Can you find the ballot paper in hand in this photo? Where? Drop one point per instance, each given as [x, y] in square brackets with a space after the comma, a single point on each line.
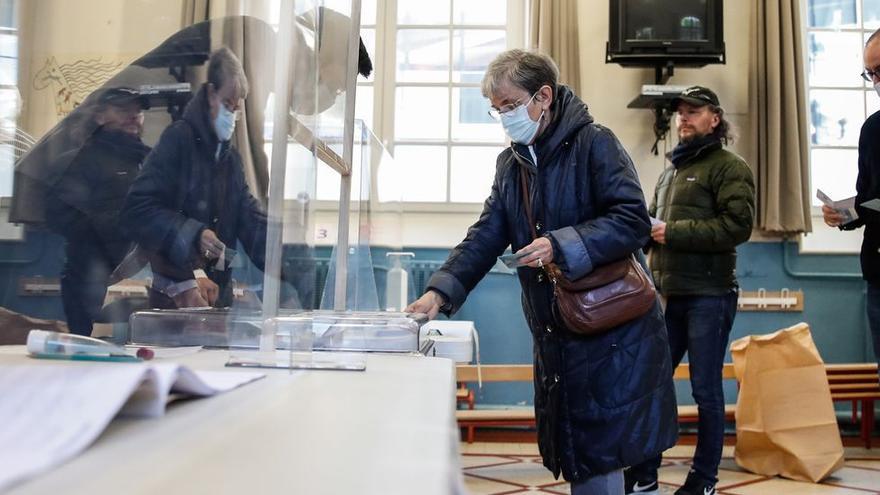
[845, 207]
[872, 204]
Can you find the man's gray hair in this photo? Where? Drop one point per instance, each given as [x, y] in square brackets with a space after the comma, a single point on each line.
[524, 69]
[224, 67]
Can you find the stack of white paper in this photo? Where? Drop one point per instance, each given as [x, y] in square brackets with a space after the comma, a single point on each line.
[52, 411]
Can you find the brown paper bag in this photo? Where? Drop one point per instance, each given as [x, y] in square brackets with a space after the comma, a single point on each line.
[785, 421]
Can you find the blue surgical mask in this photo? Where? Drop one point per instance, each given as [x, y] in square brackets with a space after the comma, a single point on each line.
[224, 123]
[520, 128]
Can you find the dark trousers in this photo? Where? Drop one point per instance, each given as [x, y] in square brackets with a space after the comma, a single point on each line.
[700, 326]
[84, 286]
[873, 304]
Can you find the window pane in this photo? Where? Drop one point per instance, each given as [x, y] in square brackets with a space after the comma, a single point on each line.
[832, 13]
[363, 105]
[368, 13]
[421, 113]
[836, 117]
[834, 172]
[871, 13]
[482, 12]
[872, 100]
[8, 59]
[470, 117]
[7, 13]
[472, 172]
[423, 55]
[15, 142]
[421, 12]
[835, 59]
[421, 173]
[472, 50]
[369, 37]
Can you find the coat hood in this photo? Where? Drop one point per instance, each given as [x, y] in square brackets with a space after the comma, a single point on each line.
[198, 115]
[570, 114]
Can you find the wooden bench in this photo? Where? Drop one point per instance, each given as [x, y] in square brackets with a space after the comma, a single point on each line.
[472, 418]
[856, 383]
[859, 385]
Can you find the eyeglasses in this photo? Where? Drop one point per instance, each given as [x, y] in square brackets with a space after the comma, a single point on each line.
[496, 113]
[869, 75]
[234, 106]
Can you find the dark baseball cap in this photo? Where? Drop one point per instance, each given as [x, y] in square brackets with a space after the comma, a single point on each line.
[698, 96]
[123, 95]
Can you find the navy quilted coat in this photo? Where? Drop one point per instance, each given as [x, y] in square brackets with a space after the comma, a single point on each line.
[601, 402]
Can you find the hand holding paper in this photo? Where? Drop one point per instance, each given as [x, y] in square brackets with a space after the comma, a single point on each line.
[846, 208]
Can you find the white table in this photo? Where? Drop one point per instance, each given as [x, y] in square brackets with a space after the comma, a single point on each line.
[390, 429]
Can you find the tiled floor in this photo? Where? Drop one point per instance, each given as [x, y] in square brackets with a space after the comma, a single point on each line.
[515, 468]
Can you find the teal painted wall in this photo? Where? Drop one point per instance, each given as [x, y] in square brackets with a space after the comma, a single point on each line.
[834, 307]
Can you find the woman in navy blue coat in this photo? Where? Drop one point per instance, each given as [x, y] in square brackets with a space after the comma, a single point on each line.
[191, 202]
[603, 402]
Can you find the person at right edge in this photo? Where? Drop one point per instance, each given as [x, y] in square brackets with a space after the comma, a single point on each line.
[703, 207]
[867, 188]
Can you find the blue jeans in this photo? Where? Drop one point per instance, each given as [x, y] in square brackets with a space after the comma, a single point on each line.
[700, 326]
[600, 484]
[872, 301]
[84, 286]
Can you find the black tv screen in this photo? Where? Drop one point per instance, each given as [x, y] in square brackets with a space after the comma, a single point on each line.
[667, 20]
[653, 32]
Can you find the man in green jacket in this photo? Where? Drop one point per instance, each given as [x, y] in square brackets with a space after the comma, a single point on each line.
[704, 206]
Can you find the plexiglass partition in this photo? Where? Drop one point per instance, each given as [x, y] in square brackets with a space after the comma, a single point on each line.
[169, 150]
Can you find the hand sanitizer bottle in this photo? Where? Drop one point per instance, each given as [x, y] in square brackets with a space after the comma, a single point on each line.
[397, 282]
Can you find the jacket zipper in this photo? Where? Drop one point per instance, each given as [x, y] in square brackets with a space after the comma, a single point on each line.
[668, 195]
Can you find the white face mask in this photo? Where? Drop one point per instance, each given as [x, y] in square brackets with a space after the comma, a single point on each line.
[224, 123]
[520, 128]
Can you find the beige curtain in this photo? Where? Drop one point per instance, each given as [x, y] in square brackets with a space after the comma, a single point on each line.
[553, 31]
[779, 117]
[194, 11]
[252, 51]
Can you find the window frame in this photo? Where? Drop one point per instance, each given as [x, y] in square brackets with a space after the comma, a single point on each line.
[385, 86]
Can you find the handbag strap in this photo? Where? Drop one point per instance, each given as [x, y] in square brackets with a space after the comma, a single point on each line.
[551, 269]
[527, 200]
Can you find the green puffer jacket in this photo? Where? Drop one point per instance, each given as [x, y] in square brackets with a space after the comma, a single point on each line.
[708, 204]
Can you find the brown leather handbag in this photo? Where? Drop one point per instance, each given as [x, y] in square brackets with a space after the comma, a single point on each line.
[608, 296]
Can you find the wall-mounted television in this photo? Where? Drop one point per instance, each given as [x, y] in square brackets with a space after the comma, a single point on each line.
[650, 33]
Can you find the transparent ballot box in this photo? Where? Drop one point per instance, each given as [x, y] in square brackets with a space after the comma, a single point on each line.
[292, 330]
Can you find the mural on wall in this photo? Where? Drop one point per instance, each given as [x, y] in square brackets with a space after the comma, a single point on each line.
[71, 83]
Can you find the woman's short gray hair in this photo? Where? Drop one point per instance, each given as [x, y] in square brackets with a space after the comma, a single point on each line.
[223, 67]
[524, 69]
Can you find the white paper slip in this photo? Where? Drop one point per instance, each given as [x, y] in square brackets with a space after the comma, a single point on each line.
[845, 207]
[872, 204]
[52, 411]
[655, 221]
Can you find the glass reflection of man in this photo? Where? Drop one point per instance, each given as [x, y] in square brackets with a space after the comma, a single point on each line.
[191, 201]
[84, 204]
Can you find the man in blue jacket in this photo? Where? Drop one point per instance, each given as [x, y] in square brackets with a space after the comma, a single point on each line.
[191, 205]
